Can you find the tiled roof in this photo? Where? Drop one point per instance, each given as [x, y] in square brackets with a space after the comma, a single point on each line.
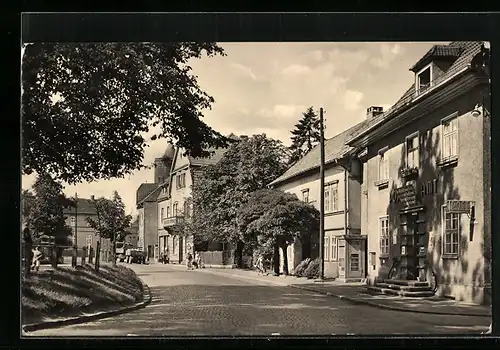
[214, 159]
[469, 50]
[335, 148]
[442, 51]
[152, 196]
[84, 206]
[144, 190]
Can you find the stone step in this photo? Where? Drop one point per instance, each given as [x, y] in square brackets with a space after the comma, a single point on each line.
[402, 293]
[386, 285]
[407, 283]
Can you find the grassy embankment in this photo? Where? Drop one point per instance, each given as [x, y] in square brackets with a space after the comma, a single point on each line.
[66, 292]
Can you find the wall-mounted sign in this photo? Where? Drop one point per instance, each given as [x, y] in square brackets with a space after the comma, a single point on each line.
[405, 195]
[395, 237]
[403, 250]
[422, 250]
[458, 207]
[431, 240]
[429, 188]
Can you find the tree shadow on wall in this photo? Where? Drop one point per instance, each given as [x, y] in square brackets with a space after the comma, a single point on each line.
[449, 270]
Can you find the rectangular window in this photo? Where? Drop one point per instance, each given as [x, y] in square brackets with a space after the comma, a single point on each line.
[327, 249]
[449, 138]
[334, 249]
[331, 197]
[305, 195]
[180, 181]
[174, 210]
[451, 234]
[354, 262]
[161, 215]
[174, 244]
[424, 80]
[383, 166]
[384, 235]
[168, 211]
[412, 155]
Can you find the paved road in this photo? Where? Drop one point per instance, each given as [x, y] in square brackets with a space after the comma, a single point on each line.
[201, 303]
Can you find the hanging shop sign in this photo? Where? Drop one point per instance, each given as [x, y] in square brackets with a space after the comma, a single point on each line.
[458, 207]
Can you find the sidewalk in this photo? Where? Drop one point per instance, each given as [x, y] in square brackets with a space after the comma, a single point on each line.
[355, 292]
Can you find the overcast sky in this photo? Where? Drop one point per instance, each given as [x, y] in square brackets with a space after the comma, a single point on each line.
[265, 87]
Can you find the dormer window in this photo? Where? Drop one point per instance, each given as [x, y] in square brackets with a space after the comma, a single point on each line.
[423, 79]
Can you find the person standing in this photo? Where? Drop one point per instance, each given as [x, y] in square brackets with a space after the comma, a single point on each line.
[37, 256]
[189, 261]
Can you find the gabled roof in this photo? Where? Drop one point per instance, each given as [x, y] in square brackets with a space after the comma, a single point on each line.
[213, 159]
[84, 206]
[438, 51]
[469, 50]
[335, 148]
[144, 190]
[152, 196]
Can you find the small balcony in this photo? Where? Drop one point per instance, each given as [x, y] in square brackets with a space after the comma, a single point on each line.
[172, 221]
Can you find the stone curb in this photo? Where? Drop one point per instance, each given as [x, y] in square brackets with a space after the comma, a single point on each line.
[147, 297]
[387, 307]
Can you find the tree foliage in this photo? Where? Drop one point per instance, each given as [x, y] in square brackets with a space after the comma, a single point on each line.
[111, 220]
[248, 165]
[305, 136]
[44, 208]
[86, 106]
[273, 218]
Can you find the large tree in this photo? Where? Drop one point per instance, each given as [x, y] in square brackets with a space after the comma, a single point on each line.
[45, 214]
[275, 219]
[111, 221]
[87, 106]
[305, 136]
[248, 165]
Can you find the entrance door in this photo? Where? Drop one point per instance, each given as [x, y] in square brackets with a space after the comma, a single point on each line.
[181, 249]
[409, 244]
[355, 269]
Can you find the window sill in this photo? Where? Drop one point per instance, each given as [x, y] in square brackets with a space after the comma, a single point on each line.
[336, 212]
[382, 184]
[448, 162]
[450, 256]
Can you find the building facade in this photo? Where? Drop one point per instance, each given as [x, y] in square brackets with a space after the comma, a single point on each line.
[174, 206]
[76, 219]
[344, 246]
[426, 202]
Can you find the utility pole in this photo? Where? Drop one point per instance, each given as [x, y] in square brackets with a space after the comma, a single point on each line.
[321, 196]
[98, 245]
[74, 261]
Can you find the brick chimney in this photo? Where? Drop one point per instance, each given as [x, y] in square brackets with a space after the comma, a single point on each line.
[373, 111]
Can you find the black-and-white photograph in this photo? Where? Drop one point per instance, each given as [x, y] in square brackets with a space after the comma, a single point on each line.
[255, 189]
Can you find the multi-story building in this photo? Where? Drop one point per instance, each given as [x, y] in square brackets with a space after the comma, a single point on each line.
[426, 192]
[173, 206]
[76, 219]
[344, 246]
[146, 197]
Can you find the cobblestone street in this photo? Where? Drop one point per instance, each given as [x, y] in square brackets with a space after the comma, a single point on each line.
[198, 303]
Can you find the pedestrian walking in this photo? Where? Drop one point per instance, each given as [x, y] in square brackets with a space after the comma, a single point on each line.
[261, 265]
[189, 261]
[37, 256]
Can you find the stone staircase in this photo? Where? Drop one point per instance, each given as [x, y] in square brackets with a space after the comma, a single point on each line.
[404, 288]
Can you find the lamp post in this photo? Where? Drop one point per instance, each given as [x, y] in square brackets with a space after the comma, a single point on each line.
[98, 244]
[74, 260]
[321, 197]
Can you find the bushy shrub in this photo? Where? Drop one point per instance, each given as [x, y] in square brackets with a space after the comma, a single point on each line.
[312, 270]
[301, 267]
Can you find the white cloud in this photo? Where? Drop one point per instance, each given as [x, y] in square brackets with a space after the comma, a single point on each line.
[244, 70]
[315, 55]
[283, 111]
[388, 53]
[296, 69]
[352, 99]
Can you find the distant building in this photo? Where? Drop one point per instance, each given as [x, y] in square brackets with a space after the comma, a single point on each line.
[146, 197]
[426, 193]
[344, 246]
[76, 219]
[173, 204]
[132, 236]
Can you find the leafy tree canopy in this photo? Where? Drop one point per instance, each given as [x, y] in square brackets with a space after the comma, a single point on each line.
[86, 106]
[247, 166]
[43, 210]
[305, 136]
[111, 220]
